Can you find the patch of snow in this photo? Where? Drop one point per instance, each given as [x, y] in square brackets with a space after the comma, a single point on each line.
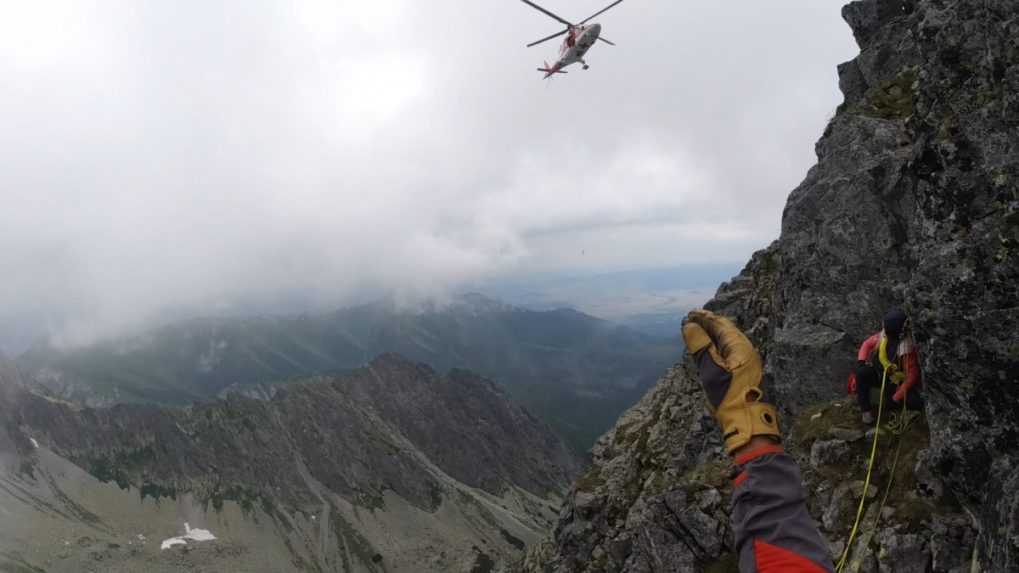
[35, 444]
[201, 535]
[168, 543]
[190, 534]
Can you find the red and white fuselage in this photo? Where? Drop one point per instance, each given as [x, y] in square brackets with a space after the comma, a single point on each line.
[579, 40]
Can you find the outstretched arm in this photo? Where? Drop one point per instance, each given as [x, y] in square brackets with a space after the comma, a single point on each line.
[774, 532]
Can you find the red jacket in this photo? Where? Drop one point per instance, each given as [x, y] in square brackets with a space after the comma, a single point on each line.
[908, 361]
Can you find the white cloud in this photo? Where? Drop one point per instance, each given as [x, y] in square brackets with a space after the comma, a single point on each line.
[200, 155]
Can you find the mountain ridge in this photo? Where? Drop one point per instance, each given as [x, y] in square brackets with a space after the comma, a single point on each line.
[305, 468]
[551, 361]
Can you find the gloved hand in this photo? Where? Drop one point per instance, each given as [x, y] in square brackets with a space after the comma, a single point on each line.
[894, 374]
[730, 372]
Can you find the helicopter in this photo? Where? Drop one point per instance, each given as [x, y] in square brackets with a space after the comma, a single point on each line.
[579, 39]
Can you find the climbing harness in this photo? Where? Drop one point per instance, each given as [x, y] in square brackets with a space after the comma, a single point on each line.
[897, 426]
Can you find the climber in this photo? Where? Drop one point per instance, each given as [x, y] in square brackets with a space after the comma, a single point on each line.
[892, 348]
[773, 530]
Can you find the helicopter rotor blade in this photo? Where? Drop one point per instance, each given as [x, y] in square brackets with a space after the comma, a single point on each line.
[596, 14]
[549, 14]
[547, 38]
[606, 41]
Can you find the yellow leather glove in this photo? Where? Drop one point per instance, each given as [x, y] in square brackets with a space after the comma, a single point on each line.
[730, 371]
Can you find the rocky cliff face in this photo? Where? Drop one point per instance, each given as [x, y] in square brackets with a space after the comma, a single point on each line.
[389, 468]
[914, 202]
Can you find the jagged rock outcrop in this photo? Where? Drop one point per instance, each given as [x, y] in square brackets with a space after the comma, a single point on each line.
[392, 467]
[914, 202]
[651, 498]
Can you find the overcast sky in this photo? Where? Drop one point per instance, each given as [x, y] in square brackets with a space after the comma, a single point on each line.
[187, 155]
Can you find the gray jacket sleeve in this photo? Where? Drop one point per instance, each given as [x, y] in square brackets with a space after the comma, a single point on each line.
[774, 532]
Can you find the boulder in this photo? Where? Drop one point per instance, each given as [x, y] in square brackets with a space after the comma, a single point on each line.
[826, 452]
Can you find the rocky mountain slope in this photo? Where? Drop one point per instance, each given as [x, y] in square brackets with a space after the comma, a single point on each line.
[391, 467]
[914, 202]
[575, 371]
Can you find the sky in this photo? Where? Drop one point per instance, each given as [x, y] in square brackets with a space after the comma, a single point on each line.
[159, 158]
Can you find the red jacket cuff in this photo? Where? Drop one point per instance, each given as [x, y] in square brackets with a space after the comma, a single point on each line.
[755, 453]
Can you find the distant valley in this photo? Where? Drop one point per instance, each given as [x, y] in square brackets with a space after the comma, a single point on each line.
[575, 371]
[652, 301]
[391, 467]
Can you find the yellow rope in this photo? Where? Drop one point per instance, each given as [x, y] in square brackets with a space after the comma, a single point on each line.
[899, 430]
[870, 467]
[895, 462]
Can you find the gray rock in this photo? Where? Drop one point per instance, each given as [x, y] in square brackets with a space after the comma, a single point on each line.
[824, 453]
[903, 553]
[586, 504]
[846, 434]
[843, 505]
[706, 531]
[835, 548]
[838, 506]
[867, 564]
[928, 485]
[709, 499]
[851, 80]
[861, 558]
[951, 544]
[914, 203]
[856, 488]
[620, 548]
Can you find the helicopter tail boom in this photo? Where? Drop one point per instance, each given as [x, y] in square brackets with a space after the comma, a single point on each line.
[551, 70]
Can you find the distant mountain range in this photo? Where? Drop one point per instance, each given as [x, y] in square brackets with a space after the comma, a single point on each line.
[388, 468]
[575, 371]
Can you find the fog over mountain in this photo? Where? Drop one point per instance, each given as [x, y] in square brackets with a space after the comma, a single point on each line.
[162, 158]
[574, 371]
